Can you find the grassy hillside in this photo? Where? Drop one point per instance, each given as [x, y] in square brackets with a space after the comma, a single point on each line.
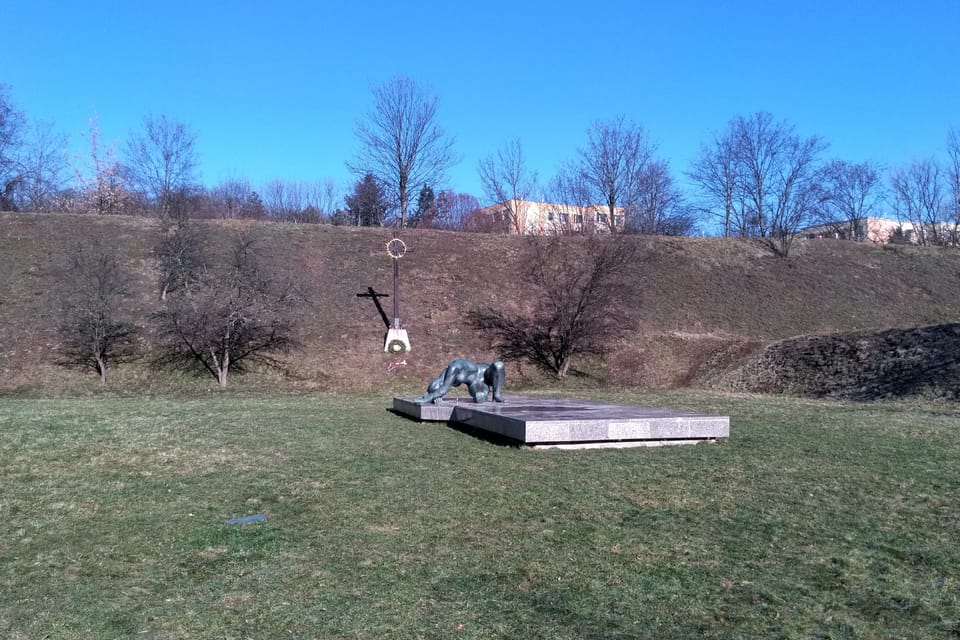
[702, 301]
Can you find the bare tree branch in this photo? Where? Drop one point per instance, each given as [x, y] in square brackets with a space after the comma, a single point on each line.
[953, 177]
[716, 171]
[454, 209]
[611, 166]
[44, 166]
[659, 207]
[508, 181]
[12, 126]
[578, 297]
[180, 256]
[919, 198]
[94, 332]
[235, 314]
[401, 143]
[102, 181]
[162, 162]
[763, 178]
[852, 193]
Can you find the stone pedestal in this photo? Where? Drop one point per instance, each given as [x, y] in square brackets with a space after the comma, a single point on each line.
[569, 423]
[397, 342]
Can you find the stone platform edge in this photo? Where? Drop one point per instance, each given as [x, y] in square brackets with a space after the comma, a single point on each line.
[566, 423]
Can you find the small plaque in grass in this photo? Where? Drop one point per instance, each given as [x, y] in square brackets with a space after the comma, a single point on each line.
[257, 517]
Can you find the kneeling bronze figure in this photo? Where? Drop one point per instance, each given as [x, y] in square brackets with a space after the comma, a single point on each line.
[479, 378]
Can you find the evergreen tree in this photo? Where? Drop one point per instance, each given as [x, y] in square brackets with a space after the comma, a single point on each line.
[367, 205]
[426, 212]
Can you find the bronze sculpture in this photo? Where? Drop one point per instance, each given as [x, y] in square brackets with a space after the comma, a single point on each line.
[479, 378]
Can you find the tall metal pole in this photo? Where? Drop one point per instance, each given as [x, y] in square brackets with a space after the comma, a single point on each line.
[397, 341]
[396, 294]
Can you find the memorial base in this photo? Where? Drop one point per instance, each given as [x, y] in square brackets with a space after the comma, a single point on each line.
[569, 423]
[397, 342]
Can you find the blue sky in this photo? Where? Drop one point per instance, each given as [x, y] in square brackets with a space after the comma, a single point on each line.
[274, 90]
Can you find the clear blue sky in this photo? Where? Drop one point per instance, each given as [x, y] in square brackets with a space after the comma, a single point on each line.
[274, 89]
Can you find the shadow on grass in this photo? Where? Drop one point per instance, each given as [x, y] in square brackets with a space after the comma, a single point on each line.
[478, 434]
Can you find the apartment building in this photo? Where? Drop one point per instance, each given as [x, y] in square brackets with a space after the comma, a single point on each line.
[532, 217]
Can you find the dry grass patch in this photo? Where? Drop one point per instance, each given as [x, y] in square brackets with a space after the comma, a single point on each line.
[150, 459]
[816, 519]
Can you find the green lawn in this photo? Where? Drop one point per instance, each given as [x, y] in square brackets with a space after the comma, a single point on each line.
[815, 520]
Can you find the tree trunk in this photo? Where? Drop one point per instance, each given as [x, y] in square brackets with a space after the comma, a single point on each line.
[223, 369]
[403, 204]
[102, 370]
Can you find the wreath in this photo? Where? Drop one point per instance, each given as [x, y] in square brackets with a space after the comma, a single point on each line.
[397, 347]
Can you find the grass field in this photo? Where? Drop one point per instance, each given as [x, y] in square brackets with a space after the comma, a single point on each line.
[815, 520]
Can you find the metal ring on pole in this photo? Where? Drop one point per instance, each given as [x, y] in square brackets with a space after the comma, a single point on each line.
[396, 248]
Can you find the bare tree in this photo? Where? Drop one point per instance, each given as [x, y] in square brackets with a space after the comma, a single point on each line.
[102, 184]
[659, 208]
[401, 143]
[299, 201]
[324, 195]
[94, 332]
[236, 314]
[780, 177]
[162, 163]
[340, 217]
[571, 203]
[285, 200]
[763, 178]
[852, 192]
[611, 167]
[180, 256]
[44, 166]
[919, 198]
[12, 126]
[716, 172]
[454, 209]
[578, 306]
[953, 178]
[508, 181]
[230, 196]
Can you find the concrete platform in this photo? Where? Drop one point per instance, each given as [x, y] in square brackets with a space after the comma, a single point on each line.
[569, 423]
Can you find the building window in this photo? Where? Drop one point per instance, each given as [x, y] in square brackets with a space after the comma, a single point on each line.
[618, 221]
[550, 216]
[564, 218]
[601, 218]
[578, 218]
